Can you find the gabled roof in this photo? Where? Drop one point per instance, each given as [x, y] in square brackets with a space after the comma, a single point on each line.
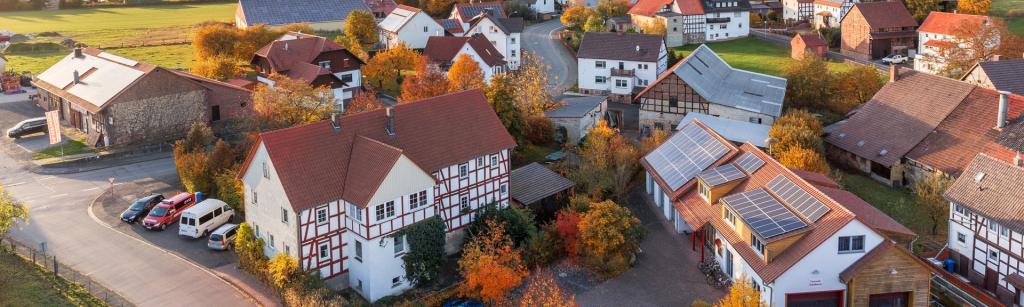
[719, 83]
[469, 10]
[534, 182]
[103, 77]
[875, 254]
[692, 149]
[1005, 75]
[445, 49]
[810, 40]
[733, 130]
[576, 107]
[382, 7]
[400, 16]
[946, 23]
[889, 14]
[453, 26]
[506, 25]
[1012, 136]
[294, 53]
[276, 12]
[991, 188]
[899, 116]
[648, 7]
[317, 163]
[621, 46]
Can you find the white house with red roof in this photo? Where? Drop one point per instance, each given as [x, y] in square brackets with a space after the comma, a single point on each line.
[444, 50]
[332, 193]
[798, 237]
[490, 20]
[938, 32]
[311, 59]
[408, 25]
[694, 21]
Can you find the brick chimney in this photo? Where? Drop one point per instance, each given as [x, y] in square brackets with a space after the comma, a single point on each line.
[1003, 105]
[1018, 160]
[995, 58]
[78, 52]
[389, 121]
[894, 73]
[77, 77]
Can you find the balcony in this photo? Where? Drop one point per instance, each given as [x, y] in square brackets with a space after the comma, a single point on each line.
[718, 20]
[623, 72]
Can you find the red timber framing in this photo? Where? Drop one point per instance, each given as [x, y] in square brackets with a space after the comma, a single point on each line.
[986, 239]
[329, 232]
[481, 186]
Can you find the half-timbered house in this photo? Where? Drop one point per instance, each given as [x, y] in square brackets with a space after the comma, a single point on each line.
[332, 193]
[311, 59]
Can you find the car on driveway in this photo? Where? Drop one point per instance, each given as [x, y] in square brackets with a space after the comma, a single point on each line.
[223, 238]
[140, 208]
[199, 220]
[26, 127]
[168, 211]
[895, 59]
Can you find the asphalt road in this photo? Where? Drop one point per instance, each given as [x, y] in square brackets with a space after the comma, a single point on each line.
[542, 40]
[144, 274]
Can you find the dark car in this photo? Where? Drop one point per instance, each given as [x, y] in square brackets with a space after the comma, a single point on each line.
[26, 127]
[140, 208]
[463, 302]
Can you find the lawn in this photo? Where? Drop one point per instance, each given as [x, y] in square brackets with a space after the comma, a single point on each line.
[71, 147]
[24, 284]
[753, 54]
[1002, 7]
[899, 204]
[174, 56]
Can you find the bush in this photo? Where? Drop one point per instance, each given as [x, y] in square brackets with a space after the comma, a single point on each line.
[541, 130]
[609, 236]
[426, 255]
[518, 223]
[543, 248]
[283, 270]
[568, 230]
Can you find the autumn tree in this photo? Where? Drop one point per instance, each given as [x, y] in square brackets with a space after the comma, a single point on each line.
[12, 212]
[222, 51]
[385, 69]
[191, 160]
[361, 26]
[921, 8]
[652, 141]
[465, 74]
[439, 8]
[803, 158]
[656, 28]
[974, 7]
[501, 94]
[218, 68]
[854, 87]
[625, 161]
[609, 236]
[976, 43]
[593, 174]
[594, 24]
[542, 290]
[796, 128]
[428, 82]
[230, 189]
[532, 85]
[352, 45]
[490, 266]
[362, 102]
[215, 40]
[808, 83]
[755, 20]
[567, 226]
[741, 294]
[289, 103]
[575, 17]
[283, 270]
[611, 8]
[222, 157]
[928, 191]
[1011, 45]
[541, 131]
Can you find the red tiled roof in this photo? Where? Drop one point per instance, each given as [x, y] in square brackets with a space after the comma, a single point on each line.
[648, 7]
[890, 14]
[946, 23]
[317, 164]
[993, 189]
[816, 179]
[968, 130]
[690, 7]
[811, 40]
[382, 7]
[286, 55]
[444, 49]
[828, 3]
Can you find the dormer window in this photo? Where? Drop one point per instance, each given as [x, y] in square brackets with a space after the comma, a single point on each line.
[728, 216]
[325, 64]
[756, 243]
[704, 191]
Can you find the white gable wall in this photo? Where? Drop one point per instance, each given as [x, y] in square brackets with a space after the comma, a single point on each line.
[507, 44]
[265, 213]
[414, 33]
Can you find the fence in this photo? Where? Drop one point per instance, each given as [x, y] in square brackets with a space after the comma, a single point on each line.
[49, 263]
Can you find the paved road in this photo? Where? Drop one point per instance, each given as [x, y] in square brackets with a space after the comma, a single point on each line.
[542, 40]
[143, 274]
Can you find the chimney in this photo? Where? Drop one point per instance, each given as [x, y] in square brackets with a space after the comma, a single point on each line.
[77, 78]
[336, 121]
[344, 63]
[995, 58]
[894, 73]
[638, 49]
[78, 52]
[285, 46]
[390, 121]
[1018, 160]
[1003, 104]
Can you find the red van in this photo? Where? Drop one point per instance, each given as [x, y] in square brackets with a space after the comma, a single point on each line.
[168, 211]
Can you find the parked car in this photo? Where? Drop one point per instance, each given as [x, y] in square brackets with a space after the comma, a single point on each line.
[168, 211]
[223, 238]
[895, 59]
[199, 220]
[26, 127]
[140, 208]
[463, 302]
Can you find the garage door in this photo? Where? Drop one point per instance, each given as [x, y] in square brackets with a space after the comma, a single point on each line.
[900, 299]
[815, 299]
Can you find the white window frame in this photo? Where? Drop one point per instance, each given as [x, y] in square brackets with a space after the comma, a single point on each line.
[756, 243]
[384, 211]
[494, 161]
[266, 170]
[358, 254]
[321, 249]
[324, 64]
[600, 64]
[325, 214]
[961, 237]
[395, 282]
[399, 245]
[624, 83]
[850, 249]
[463, 202]
[255, 196]
[704, 191]
[357, 213]
[464, 171]
[284, 215]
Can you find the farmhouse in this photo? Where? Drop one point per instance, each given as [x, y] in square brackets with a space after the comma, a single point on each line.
[798, 10]
[117, 101]
[311, 59]
[704, 83]
[444, 50]
[490, 21]
[998, 74]
[694, 21]
[575, 116]
[801, 241]
[331, 193]
[619, 64]
[877, 29]
[827, 13]
[322, 15]
[408, 25]
[937, 33]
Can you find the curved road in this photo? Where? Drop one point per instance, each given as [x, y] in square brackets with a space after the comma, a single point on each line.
[542, 40]
[143, 274]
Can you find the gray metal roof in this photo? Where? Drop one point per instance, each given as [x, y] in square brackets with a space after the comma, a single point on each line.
[719, 83]
[621, 46]
[733, 130]
[1006, 75]
[533, 182]
[576, 107]
[278, 12]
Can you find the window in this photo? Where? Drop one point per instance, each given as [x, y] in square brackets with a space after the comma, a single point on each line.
[513, 41]
[621, 83]
[513, 53]
[728, 216]
[600, 79]
[287, 249]
[325, 64]
[704, 191]
[959, 209]
[480, 161]
[851, 244]
[599, 64]
[961, 237]
[325, 251]
[255, 197]
[464, 171]
[218, 211]
[723, 26]
[395, 282]
[359, 251]
[284, 216]
[464, 202]
[504, 189]
[321, 215]
[993, 254]
[271, 237]
[266, 170]
[399, 245]
[357, 213]
[425, 29]
[494, 161]
[385, 210]
[756, 120]
[756, 244]
[673, 101]
[202, 219]
[347, 78]
[1003, 231]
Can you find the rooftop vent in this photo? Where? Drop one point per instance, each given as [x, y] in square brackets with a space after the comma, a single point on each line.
[77, 77]
[336, 121]
[860, 144]
[883, 152]
[78, 52]
[390, 121]
[978, 177]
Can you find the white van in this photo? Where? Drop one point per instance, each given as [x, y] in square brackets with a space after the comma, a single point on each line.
[199, 220]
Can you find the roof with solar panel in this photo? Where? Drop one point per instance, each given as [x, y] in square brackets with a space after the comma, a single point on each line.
[764, 214]
[686, 154]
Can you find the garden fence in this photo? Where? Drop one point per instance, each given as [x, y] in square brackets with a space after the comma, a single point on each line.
[50, 263]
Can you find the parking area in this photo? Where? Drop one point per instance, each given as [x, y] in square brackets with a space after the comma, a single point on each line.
[14, 109]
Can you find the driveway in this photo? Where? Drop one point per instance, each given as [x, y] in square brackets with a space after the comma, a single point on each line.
[542, 40]
[666, 274]
[14, 109]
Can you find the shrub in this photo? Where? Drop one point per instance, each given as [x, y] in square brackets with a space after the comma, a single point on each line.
[541, 130]
[567, 227]
[283, 270]
[426, 255]
[609, 235]
[490, 265]
[517, 223]
[544, 247]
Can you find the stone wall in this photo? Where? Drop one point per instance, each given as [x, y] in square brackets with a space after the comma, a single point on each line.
[154, 119]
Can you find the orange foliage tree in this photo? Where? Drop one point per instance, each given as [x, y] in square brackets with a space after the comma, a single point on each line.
[384, 69]
[491, 266]
[427, 82]
[803, 158]
[364, 101]
[741, 294]
[609, 235]
[465, 74]
[652, 141]
[543, 291]
[567, 224]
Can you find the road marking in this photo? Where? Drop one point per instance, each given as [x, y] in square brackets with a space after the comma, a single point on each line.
[91, 189]
[16, 184]
[59, 195]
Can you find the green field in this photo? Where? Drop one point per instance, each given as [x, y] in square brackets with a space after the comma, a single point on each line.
[118, 26]
[1002, 7]
[23, 284]
[754, 55]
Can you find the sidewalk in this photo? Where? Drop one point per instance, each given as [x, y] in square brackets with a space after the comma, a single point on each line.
[248, 284]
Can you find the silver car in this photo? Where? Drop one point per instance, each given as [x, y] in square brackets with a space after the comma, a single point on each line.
[222, 238]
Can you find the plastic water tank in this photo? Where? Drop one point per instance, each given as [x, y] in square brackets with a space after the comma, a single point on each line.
[950, 265]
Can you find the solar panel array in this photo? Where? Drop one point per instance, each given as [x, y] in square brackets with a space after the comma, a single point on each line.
[795, 197]
[687, 153]
[750, 162]
[722, 174]
[762, 213]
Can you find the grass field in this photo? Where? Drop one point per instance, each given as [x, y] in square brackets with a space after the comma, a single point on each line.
[23, 284]
[1002, 7]
[899, 204]
[114, 27]
[754, 55]
[71, 147]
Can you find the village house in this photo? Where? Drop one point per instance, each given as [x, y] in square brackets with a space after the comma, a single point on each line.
[321, 15]
[619, 24]
[619, 64]
[797, 10]
[542, 7]
[704, 83]
[998, 74]
[938, 32]
[985, 229]
[799, 238]
[803, 44]
[874, 30]
[489, 19]
[444, 50]
[694, 21]
[116, 101]
[408, 25]
[737, 132]
[311, 59]
[574, 117]
[827, 13]
[919, 124]
[332, 193]
[380, 8]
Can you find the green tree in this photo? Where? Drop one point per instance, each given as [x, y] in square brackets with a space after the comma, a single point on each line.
[928, 191]
[809, 83]
[249, 249]
[519, 223]
[222, 157]
[426, 255]
[12, 212]
[198, 138]
[230, 189]
[595, 24]
[362, 26]
[611, 8]
[502, 96]
[609, 236]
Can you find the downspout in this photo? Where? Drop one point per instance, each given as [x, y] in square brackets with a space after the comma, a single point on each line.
[771, 294]
[910, 245]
